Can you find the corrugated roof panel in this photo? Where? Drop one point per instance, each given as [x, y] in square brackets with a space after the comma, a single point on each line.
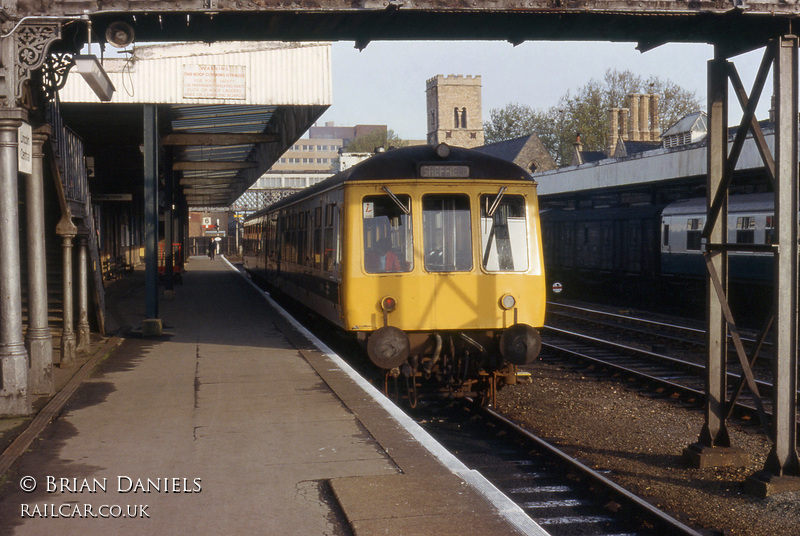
[264, 73]
[221, 118]
[225, 88]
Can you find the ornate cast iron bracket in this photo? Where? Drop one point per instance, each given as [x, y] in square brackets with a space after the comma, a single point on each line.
[55, 71]
[32, 41]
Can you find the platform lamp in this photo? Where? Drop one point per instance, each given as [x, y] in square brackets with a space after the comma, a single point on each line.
[92, 71]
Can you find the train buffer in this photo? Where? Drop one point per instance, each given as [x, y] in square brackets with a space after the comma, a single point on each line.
[232, 423]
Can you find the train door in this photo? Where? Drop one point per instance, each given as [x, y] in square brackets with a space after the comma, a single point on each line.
[446, 233]
[633, 247]
[450, 290]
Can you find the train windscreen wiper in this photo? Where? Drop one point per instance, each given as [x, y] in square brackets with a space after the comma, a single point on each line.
[496, 203]
[397, 202]
[507, 263]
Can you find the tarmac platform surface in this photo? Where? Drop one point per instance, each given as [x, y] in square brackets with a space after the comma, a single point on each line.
[235, 422]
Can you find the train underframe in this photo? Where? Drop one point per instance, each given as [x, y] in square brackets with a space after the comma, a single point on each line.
[455, 364]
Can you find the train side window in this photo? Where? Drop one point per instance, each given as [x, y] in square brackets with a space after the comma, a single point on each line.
[693, 234]
[446, 233]
[302, 245]
[745, 229]
[388, 239]
[272, 237]
[329, 251]
[504, 234]
[317, 240]
[769, 231]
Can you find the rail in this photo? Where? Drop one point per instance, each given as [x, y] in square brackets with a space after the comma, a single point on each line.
[666, 373]
[560, 493]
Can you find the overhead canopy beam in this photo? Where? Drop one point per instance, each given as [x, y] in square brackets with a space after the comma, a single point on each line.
[207, 165]
[217, 139]
[740, 26]
[205, 180]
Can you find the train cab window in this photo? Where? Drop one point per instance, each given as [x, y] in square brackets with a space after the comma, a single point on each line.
[745, 229]
[446, 233]
[693, 234]
[504, 233]
[388, 241]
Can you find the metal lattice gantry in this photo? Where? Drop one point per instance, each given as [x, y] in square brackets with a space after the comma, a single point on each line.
[256, 199]
[781, 471]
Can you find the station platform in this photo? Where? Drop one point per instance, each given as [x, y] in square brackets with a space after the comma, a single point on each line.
[236, 421]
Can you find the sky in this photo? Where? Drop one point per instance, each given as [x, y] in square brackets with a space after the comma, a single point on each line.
[385, 83]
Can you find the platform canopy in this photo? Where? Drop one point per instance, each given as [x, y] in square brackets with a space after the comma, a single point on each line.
[227, 111]
[737, 24]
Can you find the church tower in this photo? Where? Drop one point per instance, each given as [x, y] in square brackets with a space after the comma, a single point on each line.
[454, 110]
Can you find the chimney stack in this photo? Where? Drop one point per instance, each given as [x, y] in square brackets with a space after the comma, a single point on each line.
[613, 130]
[623, 123]
[644, 117]
[655, 126]
[644, 124]
[633, 132]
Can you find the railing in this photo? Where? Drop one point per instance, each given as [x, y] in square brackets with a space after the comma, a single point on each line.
[68, 151]
[76, 201]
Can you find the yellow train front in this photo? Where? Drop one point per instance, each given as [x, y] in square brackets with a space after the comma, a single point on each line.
[432, 256]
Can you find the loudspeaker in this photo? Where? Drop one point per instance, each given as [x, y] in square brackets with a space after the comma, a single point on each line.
[119, 34]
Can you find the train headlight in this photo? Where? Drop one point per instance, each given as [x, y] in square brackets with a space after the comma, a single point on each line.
[388, 304]
[507, 302]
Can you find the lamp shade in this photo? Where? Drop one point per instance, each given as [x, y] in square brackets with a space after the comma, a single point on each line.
[94, 74]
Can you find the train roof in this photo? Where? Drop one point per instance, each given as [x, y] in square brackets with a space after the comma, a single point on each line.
[736, 203]
[601, 213]
[410, 163]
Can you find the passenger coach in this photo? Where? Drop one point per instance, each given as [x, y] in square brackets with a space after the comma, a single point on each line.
[430, 255]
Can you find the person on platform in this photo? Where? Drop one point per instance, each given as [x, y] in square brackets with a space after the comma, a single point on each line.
[212, 249]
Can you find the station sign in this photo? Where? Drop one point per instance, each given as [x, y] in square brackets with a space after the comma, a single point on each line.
[557, 287]
[25, 148]
[112, 197]
[215, 82]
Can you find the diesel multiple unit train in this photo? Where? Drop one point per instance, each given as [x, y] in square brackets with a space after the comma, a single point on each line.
[654, 253]
[430, 256]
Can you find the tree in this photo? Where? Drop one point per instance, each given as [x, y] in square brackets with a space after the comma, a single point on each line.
[584, 112]
[513, 121]
[367, 143]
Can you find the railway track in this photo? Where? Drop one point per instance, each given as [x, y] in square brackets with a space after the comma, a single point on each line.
[560, 493]
[557, 491]
[686, 338]
[642, 359]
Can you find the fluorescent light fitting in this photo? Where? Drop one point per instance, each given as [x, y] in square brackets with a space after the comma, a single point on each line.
[94, 74]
